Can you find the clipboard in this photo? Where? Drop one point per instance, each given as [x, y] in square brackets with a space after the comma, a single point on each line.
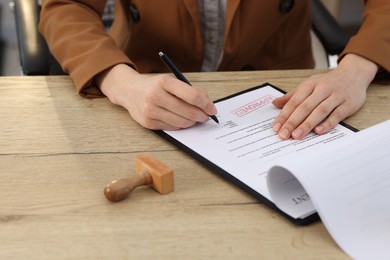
[225, 174]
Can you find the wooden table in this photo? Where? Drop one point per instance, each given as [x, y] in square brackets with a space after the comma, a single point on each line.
[57, 151]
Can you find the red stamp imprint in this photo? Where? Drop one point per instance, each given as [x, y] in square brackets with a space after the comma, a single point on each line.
[254, 105]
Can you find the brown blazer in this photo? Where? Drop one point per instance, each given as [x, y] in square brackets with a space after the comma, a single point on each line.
[257, 36]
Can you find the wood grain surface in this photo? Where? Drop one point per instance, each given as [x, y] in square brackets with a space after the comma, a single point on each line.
[58, 151]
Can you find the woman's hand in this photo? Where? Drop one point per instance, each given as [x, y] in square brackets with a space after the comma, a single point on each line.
[156, 101]
[322, 101]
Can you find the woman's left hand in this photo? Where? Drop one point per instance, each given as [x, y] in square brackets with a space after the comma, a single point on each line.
[319, 103]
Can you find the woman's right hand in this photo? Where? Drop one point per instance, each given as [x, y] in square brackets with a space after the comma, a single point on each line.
[156, 101]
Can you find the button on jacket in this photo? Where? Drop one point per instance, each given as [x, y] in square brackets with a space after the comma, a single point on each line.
[267, 34]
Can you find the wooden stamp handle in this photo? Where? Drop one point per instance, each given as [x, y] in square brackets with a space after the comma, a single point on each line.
[119, 189]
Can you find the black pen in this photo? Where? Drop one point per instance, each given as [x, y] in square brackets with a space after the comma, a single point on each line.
[172, 67]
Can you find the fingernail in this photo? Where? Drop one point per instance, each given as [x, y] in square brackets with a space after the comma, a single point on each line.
[284, 134]
[297, 133]
[276, 127]
[319, 129]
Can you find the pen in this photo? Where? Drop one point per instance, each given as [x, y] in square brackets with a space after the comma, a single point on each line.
[172, 67]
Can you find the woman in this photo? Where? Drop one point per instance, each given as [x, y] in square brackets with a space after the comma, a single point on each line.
[202, 35]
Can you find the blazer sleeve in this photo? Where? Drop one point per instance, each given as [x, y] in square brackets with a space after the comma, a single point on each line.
[373, 38]
[78, 40]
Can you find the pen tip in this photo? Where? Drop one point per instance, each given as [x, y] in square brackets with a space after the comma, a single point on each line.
[215, 119]
[161, 53]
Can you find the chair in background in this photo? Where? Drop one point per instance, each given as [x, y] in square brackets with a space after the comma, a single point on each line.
[327, 31]
[35, 58]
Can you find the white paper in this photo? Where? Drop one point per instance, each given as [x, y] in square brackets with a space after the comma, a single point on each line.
[244, 143]
[349, 185]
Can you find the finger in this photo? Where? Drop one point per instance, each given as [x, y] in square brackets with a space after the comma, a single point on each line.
[296, 98]
[162, 119]
[306, 108]
[195, 96]
[339, 114]
[180, 108]
[319, 114]
[174, 120]
[281, 101]
[303, 116]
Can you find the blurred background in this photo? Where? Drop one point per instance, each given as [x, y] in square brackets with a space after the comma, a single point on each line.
[347, 12]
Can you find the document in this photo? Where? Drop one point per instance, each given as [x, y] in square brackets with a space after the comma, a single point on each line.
[343, 176]
[348, 184]
[243, 146]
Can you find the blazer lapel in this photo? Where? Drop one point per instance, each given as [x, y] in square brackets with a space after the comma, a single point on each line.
[193, 9]
[231, 8]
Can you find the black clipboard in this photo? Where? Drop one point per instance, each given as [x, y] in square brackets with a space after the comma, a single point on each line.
[227, 176]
